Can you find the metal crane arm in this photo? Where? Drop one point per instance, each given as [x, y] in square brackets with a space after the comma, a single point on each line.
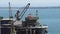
[24, 10]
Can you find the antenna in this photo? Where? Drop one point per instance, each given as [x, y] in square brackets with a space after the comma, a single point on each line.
[36, 13]
[10, 12]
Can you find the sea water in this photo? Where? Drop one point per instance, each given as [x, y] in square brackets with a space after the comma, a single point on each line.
[51, 17]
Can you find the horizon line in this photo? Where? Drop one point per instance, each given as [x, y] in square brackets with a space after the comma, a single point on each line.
[29, 7]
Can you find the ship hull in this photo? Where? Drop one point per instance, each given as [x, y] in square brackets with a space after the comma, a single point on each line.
[5, 30]
[31, 31]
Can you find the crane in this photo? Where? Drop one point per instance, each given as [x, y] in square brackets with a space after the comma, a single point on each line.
[20, 15]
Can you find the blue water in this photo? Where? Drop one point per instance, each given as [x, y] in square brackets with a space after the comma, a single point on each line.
[51, 17]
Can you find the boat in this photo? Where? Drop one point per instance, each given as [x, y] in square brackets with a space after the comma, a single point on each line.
[29, 26]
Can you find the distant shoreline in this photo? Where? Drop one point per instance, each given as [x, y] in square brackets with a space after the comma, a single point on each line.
[30, 7]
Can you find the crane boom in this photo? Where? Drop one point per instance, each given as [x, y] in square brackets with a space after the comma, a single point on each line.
[23, 12]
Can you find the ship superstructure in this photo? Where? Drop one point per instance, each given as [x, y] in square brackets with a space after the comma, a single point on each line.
[29, 26]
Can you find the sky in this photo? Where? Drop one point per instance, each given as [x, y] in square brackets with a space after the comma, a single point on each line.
[34, 3]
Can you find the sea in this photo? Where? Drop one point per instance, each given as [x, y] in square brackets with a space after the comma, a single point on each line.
[48, 16]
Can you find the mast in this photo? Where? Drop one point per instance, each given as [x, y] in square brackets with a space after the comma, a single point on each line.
[10, 12]
[36, 13]
[12, 25]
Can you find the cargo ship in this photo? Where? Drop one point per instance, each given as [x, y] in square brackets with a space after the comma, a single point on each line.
[17, 26]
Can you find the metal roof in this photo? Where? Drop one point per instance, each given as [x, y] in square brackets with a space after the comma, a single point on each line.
[7, 19]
